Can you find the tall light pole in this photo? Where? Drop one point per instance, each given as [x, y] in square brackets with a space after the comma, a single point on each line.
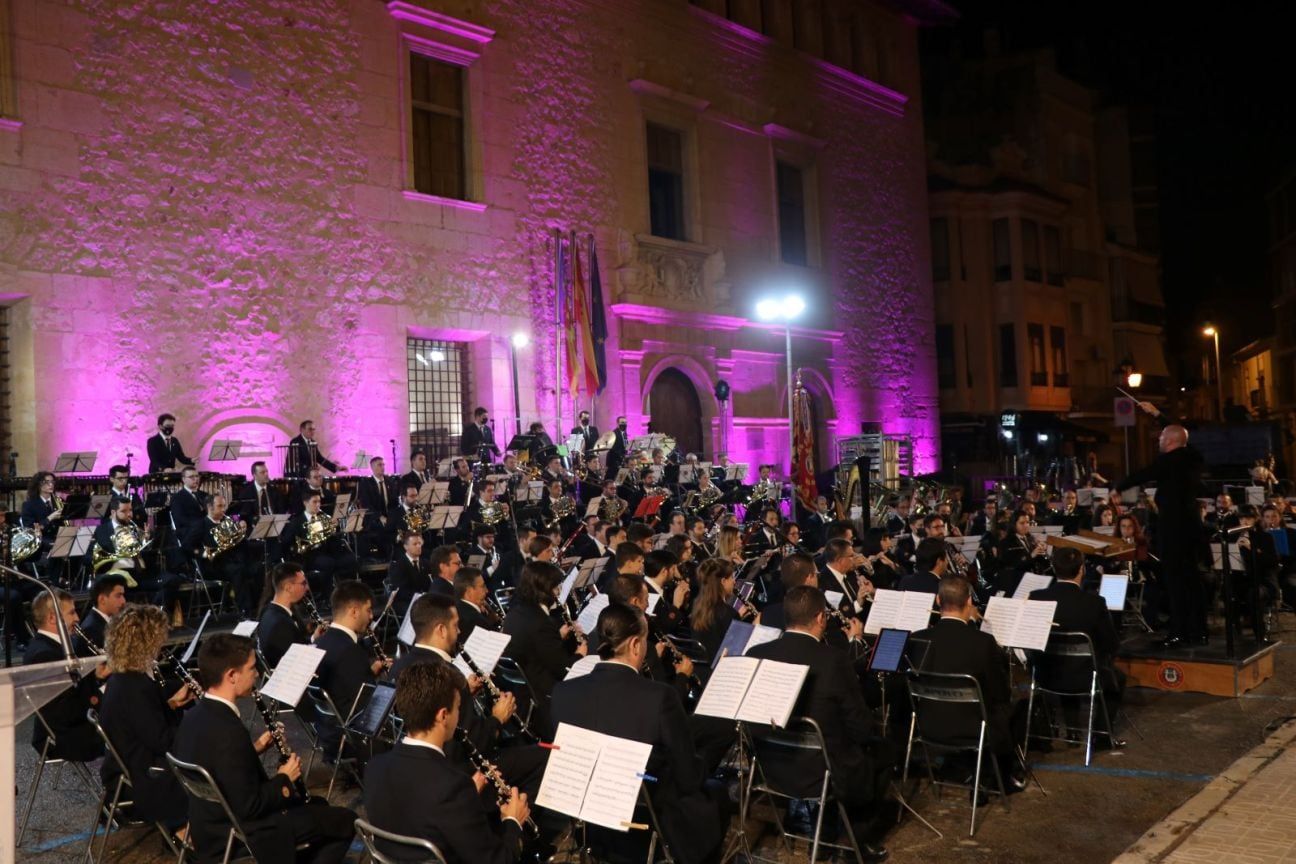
[1134, 380]
[786, 309]
[518, 341]
[1213, 332]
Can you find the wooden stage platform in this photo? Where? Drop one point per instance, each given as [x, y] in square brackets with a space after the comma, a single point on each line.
[1197, 670]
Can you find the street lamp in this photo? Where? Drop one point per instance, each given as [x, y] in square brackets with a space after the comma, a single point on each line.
[1134, 380]
[786, 309]
[1213, 332]
[517, 342]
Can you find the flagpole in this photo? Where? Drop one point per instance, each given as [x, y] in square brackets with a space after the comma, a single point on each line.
[589, 302]
[559, 337]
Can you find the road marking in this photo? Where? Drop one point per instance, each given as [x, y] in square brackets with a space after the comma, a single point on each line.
[1138, 773]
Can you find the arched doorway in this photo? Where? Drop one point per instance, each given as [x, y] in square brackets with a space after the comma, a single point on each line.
[675, 410]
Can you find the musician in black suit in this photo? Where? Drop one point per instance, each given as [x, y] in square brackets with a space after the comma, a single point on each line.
[984, 520]
[461, 483]
[257, 499]
[141, 719]
[415, 791]
[331, 558]
[418, 473]
[42, 506]
[588, 431]
[616, 700]
[213, 736]
[378, 495]
[840, 573]
[630, 589]
[164, 450]
[74, 737]
[767, 536]
[107, 599]
[1019, 552]
[1256, 587]
[1081, 611]
[1284, 540]
[956, 646]
[620, 444]
[492, 561]
[407, 575]
[831, 697]
[188, 508]
[165, 585]
[930, 566]
[119, 482]
[304, 453]
[478, 439]
[470, 599]
[443, 564]
[347, 665]
[314, 482]
[280, 627]
[537, 640]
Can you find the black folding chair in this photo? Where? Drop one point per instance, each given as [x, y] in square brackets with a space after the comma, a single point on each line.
[1068, 652]
[47, 758]
[411, 846]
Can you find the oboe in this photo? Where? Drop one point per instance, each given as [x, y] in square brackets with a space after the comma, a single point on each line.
[496, 695]
[280, 742]
[479, 762]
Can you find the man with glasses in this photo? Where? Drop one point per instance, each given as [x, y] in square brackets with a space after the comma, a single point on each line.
[121, 491]
[304, 453]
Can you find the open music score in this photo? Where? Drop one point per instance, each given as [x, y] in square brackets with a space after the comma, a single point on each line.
[742, 636]
[433, 493]
[270, 525]
[295, 670]
[583, 667]
[532, 490]
[1019, 623]
[193, 643]
[245, 628]
[445, 517]
[588, 617]
[405, 635]
[900, 610]
[751, 690]
[1031, 582]
[567, 584]
[594, 777]
[485, 647]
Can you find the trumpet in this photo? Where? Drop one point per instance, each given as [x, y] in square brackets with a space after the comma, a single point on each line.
[496, 695]
[480, 763]
[280, 741]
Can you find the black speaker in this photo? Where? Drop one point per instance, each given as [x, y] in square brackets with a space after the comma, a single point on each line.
[722, 390]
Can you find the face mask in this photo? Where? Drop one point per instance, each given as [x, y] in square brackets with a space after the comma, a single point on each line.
[621, 426]
[167, 430]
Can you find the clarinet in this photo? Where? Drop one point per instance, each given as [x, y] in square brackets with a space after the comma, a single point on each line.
[567, 619]
[492, 775]
[674, 655]
[90, 643]
[185, 675]
[312, 611]
[495, 695]
[376, 645]
[280, 742]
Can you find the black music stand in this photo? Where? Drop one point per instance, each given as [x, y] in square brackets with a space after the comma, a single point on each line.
[76, 463]
[225, 450]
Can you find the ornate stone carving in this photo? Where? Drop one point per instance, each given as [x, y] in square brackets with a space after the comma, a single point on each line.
[670, 273]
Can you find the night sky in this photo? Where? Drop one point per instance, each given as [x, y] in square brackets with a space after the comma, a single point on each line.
[1219, 80]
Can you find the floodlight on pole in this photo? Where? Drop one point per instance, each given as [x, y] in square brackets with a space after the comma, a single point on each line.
[785, 309]
[517, 342]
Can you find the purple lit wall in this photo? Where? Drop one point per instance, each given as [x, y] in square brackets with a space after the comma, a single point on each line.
[204, 209]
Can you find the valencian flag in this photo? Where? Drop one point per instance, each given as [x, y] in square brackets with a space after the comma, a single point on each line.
[598, 321]
[569, 260]
[588, 377]
[803, 477]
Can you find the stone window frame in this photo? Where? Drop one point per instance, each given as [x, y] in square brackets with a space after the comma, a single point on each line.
[677, 111]
[797, 148]
[8, 82]
[459, 43]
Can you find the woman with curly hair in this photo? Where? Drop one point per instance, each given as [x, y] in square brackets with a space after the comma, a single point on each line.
[139, 719]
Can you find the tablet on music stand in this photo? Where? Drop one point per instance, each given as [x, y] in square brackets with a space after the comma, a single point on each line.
[888, 650]
[374, 715]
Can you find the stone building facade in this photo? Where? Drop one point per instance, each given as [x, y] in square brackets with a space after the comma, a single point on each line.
[248, 214]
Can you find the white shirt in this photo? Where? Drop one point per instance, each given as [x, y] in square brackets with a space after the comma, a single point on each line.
[346, 630]
[101, 615]
[415, 742]
[841, 581]
[224, 702]
[54, 636]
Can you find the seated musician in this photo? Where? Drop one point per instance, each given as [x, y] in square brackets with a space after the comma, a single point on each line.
[212, 735]
[729, 545]
[985, 518]
[435, 621]
[831, 697]
[418, 473]
[230, 566]
[616, 700]
[630, 589]
[377, 496]
[42, 510]
[906, 544]
[484, 546]
[315, 482]
[840, 574]
[876, 546]
[641, 535]
[957, 646]
[713, 610]
[107, 599]
[796, 569]
[407, 576]
[470, 593]
[461, 483]
[166, 586]
[767, 536]
[326, 555]
[1284, 540]
[74, 737]
[304, 453]
[415, 791]
[347, 665]
[164, 450]
[538, 642]
[661, 569]
[1257, 586]
[1072, 517]
[188, 504]
[141, 719]
[897, 520]
[930, 565]
[484, 494]
[1081, 611]
[119, 482]
[258, 498]
[443, 564]
[1019, 552]
[280, 626]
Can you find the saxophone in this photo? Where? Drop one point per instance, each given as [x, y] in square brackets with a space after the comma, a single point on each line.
[226, 534]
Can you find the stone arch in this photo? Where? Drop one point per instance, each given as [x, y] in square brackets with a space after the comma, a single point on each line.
[703, 383]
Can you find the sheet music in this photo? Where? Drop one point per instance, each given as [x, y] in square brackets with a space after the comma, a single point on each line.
[1109, 530]
[773, 693]
[565, 591]
[588, 618]
[1255, 495]
[1235, 557]
[653, 600]
[834, 598]
[1031, 582]
[583, 667]
[1100, 493]
[1086, 541]
[726, 687]
[295, 670]
[406, 632]
[614, 785]
[193, 643]
[761, 634]
[485, 647]
[884, 611]
[1020, 623]
[1113, 589]
[569, 769]
[245, 628]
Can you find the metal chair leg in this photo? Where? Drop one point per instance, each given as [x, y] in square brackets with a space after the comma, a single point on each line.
[31, 794]
[976, 778]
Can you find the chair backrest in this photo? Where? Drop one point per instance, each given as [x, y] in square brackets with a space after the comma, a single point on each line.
[110, 751]
[199, 785]
[946, 701]
[323, 704]
[511, 673]
[369, 835]
[1069, 643]
[793, 758]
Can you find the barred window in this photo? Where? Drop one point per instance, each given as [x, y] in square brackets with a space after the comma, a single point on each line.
[440, 388]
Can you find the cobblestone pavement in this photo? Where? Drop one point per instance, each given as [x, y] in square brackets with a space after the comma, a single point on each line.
[1088, 815]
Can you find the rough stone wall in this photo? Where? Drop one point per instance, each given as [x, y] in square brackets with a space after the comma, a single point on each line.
[202, 212]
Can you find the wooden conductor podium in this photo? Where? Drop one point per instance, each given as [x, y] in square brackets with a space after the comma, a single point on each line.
[23, 689]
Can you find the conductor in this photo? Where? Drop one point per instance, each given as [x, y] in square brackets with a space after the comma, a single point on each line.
[1176, 473]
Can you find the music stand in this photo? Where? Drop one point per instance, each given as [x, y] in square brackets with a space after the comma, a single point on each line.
[354, 521]
[268, 526]
[98, 507]
[445, 517]
[65, 541]
[532, 490]
[361, 460]
[520, 444]
[340, 505]
[76, 463]
[225, 450]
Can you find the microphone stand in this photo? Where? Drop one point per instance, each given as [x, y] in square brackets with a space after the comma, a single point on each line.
[1226, 584]
[64, 637]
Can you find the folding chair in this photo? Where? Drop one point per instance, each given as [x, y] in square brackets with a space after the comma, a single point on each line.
[956, 692]
[801, 744]
[110, 805]
[369, 835]
[1072, 651]
[328, 714]
[79, 768]
[198, 783]
[515, 681]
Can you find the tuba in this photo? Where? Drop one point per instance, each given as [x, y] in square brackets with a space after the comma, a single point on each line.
[226, 534]
[319, 529]
[128, 543]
